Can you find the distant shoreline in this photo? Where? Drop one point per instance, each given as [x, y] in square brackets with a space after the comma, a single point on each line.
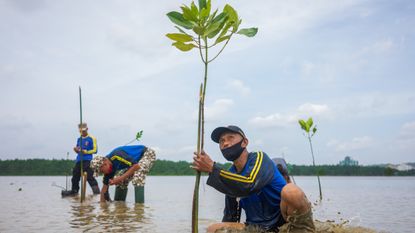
[53, 167]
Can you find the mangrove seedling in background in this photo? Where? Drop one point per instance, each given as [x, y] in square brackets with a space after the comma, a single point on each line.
[307, 126]
[202, 29]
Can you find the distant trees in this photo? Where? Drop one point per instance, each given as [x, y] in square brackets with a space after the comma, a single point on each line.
[55, 167]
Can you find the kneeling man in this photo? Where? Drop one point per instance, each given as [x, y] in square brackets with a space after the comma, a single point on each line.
[253, 183]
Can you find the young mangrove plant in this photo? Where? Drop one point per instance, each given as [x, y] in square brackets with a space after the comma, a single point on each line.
[202, 29]
[307, 126]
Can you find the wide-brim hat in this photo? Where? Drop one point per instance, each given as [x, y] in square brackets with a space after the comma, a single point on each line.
[83, 126]
[216, 133]
[96, 164]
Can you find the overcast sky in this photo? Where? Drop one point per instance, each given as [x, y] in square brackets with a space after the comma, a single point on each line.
[348, 64]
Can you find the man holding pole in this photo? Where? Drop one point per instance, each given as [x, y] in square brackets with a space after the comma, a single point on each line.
[253, 183]
[86, 146]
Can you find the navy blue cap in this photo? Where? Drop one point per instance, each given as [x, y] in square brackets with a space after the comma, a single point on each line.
[220, 130]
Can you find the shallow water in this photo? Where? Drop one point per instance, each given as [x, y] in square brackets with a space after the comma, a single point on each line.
[386, 204]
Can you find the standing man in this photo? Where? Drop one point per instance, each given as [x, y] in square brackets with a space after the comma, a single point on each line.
[254, 184]
[86, 146]
[121, 165]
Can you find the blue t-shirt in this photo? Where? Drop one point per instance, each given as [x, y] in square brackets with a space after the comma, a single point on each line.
[88, 143]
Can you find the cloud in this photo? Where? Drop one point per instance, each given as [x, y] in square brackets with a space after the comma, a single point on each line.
[374, 104]
[357, 143]
[407, 131]
[282, 120]
[240, 87]
[219, 109]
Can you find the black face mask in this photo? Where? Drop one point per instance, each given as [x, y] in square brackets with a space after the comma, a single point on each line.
[232, 153]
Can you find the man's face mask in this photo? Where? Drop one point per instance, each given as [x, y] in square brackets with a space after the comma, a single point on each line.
[233, 152]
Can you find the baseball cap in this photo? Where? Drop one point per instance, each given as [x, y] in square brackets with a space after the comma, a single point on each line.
[220, 130]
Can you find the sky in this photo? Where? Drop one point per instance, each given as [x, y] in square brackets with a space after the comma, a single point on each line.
[347, 64]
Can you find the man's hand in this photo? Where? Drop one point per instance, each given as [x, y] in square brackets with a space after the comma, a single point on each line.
[116, 180]
[77, 149]
[202, 162]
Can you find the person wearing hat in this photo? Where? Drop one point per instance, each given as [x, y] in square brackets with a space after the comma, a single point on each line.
[122, 165]
[86, 147]
[253, 183]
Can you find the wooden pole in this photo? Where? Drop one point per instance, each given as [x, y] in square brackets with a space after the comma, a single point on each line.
[83, 186]
[80, 143]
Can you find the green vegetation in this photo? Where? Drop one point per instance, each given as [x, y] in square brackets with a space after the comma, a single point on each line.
[54, 167]
[339, 170]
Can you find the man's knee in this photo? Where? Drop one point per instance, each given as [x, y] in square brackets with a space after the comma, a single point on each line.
[295, 198]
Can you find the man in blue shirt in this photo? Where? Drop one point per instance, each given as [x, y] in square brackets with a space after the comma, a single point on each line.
[123, 164]
[86, 147]
[254, 180]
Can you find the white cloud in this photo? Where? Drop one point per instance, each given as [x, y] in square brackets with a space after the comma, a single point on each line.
[313, 109]
[240, 87]
[282, 120]
[218, 109]
[356, 143]
[408, 130]
[374, 104]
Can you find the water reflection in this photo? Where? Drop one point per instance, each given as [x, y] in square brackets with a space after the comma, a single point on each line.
[92, 216]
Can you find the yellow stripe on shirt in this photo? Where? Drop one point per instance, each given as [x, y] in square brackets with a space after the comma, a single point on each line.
[94, 142]
[252, 175]
[116, 157]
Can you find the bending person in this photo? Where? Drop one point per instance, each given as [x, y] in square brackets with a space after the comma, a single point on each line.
[122, 165]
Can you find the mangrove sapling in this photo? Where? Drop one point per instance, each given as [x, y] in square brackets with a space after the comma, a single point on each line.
[137, 138]
[307, 126]
[202, 29]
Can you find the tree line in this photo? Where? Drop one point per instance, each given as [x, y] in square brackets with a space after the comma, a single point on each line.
[55, 167]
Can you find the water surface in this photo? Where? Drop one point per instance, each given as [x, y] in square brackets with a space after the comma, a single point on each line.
[386, 204]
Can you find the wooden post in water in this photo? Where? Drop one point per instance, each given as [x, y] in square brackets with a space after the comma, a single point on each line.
[139, 194]
[83, 187]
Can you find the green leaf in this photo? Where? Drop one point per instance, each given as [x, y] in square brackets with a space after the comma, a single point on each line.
[216, 25]
[139, 135]
[202, 4]
[233, 17]
[249, 32]
[205, 12]
[303, 125]
[212, 16]
[223, 38]
[309, 122]
[178, 19]
[199, 30]
[225, 29]
[179, 37]
[194, 9]
[314, 130]
[220, 18]
[184, 47]
[188, 14]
